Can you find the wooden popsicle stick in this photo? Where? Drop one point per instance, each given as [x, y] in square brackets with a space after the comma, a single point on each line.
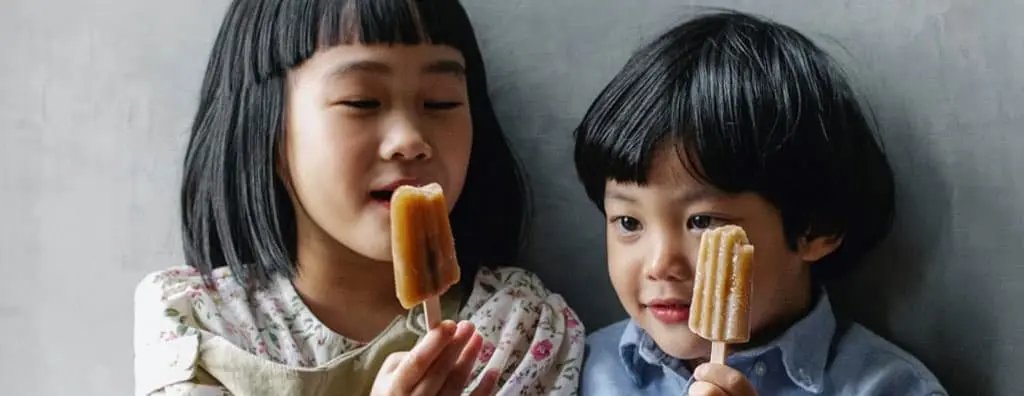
[432, 312]
[718, 352]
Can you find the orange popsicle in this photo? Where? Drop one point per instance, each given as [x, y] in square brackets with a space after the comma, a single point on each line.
[720, 307]
[422, 247]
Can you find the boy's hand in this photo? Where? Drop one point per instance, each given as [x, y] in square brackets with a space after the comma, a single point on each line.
[439, 365]
[720, 380]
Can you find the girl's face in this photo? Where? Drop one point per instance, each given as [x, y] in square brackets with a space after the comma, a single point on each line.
[363, 120]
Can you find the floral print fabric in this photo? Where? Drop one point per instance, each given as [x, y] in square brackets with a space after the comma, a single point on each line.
[530, 335]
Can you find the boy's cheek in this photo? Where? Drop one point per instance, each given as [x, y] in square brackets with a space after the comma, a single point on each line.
[679, 343]
[625, 278]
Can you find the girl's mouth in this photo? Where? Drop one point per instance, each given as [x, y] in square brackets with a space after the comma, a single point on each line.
[382, 197]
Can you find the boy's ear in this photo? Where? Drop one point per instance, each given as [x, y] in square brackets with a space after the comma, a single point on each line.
[813, 249]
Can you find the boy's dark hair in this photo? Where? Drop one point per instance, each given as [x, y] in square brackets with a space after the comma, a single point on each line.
[235, 209]
[751, 106]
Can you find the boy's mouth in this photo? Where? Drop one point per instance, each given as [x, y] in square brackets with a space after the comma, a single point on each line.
[669, 311]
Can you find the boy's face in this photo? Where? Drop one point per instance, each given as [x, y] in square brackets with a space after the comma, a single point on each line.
[653, 235]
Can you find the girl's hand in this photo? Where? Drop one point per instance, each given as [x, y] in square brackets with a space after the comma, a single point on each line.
[720, 380]
[439, 365]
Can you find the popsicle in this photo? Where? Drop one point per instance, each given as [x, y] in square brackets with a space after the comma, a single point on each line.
[720, 307]
[422, 248]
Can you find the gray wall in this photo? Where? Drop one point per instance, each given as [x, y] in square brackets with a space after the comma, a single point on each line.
[946, 81]
[96, 96]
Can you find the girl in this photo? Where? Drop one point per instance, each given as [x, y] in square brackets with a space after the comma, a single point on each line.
[312, 112]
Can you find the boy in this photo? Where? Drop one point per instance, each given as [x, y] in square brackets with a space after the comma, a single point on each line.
[733, 119]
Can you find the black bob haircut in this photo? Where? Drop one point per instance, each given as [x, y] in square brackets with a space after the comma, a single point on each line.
[235, 210]
[750, 105]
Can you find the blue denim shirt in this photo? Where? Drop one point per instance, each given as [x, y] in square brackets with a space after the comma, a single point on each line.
[814, 356]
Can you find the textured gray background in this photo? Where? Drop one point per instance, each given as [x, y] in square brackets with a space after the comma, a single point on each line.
[96, 97]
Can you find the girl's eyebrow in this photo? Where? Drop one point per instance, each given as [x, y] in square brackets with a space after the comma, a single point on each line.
[444, 66]
[365, 66]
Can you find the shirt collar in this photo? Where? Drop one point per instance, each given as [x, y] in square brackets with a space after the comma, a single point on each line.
[805, 348]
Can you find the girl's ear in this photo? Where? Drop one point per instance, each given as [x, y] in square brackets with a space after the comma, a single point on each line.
[813, 249]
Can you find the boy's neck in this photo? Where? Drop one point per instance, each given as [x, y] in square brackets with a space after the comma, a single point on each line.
[796, 308]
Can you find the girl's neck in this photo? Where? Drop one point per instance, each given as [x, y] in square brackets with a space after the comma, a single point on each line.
[351, 294]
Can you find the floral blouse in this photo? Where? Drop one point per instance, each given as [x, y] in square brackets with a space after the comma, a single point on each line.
[190, 338]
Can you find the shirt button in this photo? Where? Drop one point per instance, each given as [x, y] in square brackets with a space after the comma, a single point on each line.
[760, 369]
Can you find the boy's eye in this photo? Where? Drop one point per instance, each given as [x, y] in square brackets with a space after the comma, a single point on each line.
[700, 222]
[441, 105]
[627, 224]
[367, 104]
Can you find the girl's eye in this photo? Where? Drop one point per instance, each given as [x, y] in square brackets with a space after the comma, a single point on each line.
[368, 104]
[627, 225]
[701, 222]
[440, 105]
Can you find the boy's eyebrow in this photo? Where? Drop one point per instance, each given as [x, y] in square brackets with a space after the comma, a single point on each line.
[618, 196]
[702, 193]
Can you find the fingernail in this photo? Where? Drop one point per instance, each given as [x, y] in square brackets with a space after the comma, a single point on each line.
[447, 327]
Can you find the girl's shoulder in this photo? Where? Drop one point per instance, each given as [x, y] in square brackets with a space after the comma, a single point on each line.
[530, 334]
[271, 322]
[183, 279]
[179, 301]
[511, 277]
[511, 285]
[181, 294]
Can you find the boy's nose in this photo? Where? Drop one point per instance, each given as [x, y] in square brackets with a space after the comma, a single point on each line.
[404, 141]
[669, 262]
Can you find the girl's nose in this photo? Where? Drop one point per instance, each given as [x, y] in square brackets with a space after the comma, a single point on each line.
[405, 142]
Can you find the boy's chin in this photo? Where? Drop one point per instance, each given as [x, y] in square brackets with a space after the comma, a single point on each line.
[680, 344]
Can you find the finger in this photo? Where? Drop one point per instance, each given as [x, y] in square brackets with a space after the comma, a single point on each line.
[459, 377]
[416, 363]
[725, 377]
[441, 369]
[488, 384]
[392, 362]
[701, 388]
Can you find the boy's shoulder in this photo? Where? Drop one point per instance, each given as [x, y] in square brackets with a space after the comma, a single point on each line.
[859, 362]
[605, 341]
[604, 372]
[865, 363]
